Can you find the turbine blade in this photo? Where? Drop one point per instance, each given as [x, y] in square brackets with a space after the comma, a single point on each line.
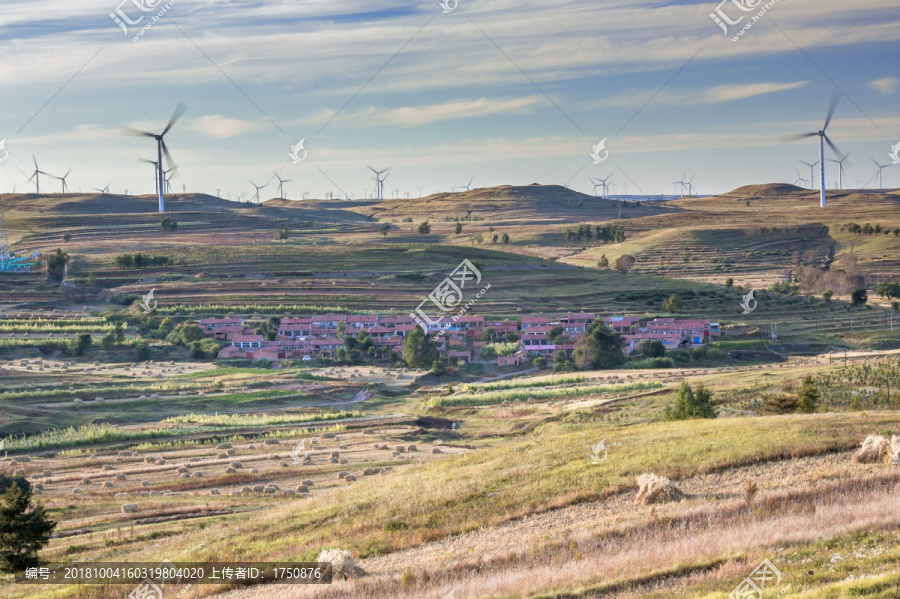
[166, 154]
[798, 137]
[132, 132]
[179, 111]
[36, 168]
[68, 172]
[835, 98]
[833, 147]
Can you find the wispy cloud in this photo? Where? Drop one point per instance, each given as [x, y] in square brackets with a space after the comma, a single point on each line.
[730, 93]
[221, 127]
[885, 85]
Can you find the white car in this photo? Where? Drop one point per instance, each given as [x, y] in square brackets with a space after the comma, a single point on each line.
[307, 358]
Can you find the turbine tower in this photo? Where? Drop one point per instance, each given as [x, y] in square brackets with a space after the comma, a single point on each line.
[823, 139]
[161, 150]
[800, 179]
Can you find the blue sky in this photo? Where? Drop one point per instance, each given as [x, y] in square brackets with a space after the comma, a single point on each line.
[507, 92]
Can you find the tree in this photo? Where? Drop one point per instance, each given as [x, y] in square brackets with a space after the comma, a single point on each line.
[808, 396]
[625, 263]
[495, 238]
[384, 229]
[555, 334]
[425, 228]
[729, 282]
[888, 289]
[511, 337]
[859, 297]
[285, 233]
[562, 362]
[459, 227]
[540, 362]
[190, 333]
[827, 295]
[141, 351]
[781, 403]
[673, 304]
[119, 331]
[419, 350]
[691, 404]
[505, 239]
[599, 348]
[167, 224]
[25, 527]
[438, 367]
[56, 264]
[603, 262]
[652, 348]
[488, 334]
[80, 344]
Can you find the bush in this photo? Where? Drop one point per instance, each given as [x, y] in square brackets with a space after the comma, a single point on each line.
[425, 228]
[625, 263]
[167, 224]
[650, 363]
[141, 351]
[691, 404]
[808, 396]
[859, 297]
[673, 304]
[80, 344]
[729, 282]
[540, 362]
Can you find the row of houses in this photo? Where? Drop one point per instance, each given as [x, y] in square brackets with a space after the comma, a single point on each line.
[307, 337]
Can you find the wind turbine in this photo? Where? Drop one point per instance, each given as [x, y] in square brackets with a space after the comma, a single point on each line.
[799, 179]
[881, 167]
[281, 183]
[379, 181]
[841, 167]
[161, 150]
[811, 167]
[469, 184]
[596, 185]
[690, 185]
[104, 190]
[37, 175]
[155, 166]
[258, 187]
[63, 179]
[823, 139]
[174, 171]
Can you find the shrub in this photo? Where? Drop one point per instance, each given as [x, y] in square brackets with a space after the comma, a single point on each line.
[691, 404]
[652, 348]
[729, 282]
[56, 264]
[673, 304]
[540, 362]
[167, 224]
[625, 263]
[654, 489]
[425, 228]
[808, 396]
[874, 450]
[603, 262]
[859, 297]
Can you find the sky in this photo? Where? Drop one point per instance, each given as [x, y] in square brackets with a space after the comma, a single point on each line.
[498, 92]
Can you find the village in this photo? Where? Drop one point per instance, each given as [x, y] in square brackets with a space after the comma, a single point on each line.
[545, 335]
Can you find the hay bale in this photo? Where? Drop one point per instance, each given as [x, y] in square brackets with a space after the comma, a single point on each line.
[198, 474]
[258, 488]
[289, 492]
[328, 435]
[222, 456]
[230, 471]
[86, 481]
[182, 470]
[185, 475]
[236, 465]
[130, 508]
[214, 492]
[342, 447]
[307, 483]
[122, 494]
[271, 442]
[251, 446]
[107, 466]
[120, 477]
[247, 490]
[371, 471]
[231, 451]
[254, 471]
[76, 491]
[302, 489]
[895, 450]
[236, 493]
[654, 489]
[412, 448]
[161, 462]
[401, 449]
[874, 449]
[47, 473]
[436, 450]
[343, 474]
[107, 484]
[335, 454]
[343, 461]
[223, 446]
[145, 483]
[343, 565]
